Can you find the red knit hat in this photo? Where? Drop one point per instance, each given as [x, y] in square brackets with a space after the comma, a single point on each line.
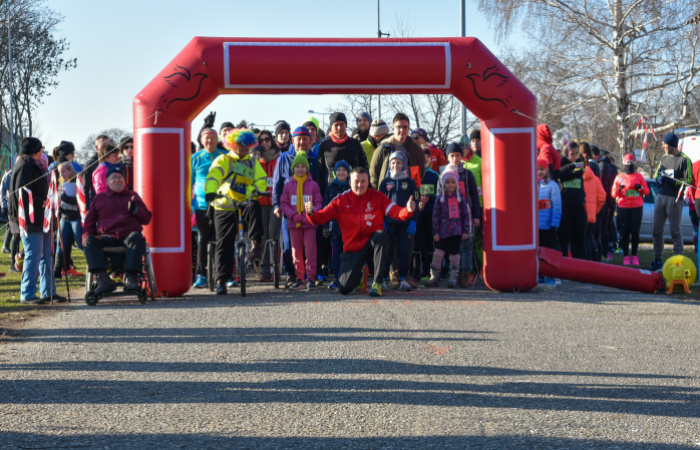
[628, 158]
[542, 163]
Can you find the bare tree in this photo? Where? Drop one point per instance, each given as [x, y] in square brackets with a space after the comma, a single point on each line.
[37, 59]
[607, 58]
[115, 135]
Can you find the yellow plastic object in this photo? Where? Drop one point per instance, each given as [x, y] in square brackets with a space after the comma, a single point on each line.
[679, 270]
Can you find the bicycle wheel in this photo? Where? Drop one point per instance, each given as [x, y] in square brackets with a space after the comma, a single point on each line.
[275, 263]
[210, 266]
[241, 260]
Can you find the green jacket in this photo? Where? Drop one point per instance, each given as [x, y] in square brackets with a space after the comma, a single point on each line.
[474, 166]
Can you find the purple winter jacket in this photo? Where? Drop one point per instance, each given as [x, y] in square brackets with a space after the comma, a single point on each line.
[446, 227]
[290, 210]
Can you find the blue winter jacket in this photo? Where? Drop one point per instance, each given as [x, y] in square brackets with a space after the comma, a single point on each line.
[201, 162]
[549, 205]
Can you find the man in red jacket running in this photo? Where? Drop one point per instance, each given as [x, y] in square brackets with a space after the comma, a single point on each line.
[360, 214]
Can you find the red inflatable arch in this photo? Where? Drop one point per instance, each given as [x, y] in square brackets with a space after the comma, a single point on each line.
[463, 67]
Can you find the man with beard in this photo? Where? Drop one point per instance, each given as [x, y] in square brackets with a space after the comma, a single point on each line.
[361, 132]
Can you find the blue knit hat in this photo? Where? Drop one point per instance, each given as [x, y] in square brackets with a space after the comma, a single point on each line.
[671, 139]
[116, 168]
[301, 131]
[342, 163]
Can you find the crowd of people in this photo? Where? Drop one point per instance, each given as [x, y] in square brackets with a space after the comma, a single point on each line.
[590, 209]
[347, 206]
[380, 202]
[92, 207]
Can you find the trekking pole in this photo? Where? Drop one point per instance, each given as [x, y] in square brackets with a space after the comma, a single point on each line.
[63, 256]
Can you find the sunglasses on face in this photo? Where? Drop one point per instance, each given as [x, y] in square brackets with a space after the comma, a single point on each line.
[127, 147]
[415, 136]
[264, 139]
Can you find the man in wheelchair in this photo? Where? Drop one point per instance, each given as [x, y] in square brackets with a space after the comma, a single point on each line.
[115, 219]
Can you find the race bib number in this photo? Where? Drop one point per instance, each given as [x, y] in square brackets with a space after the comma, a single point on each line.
[427, 189]
[243, 170]
[632, 193]
[669, 173]
[293, 200]
[544, 204]
[572, 184]
[453, 207]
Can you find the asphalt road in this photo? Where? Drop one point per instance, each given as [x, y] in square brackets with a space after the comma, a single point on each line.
[577, 367]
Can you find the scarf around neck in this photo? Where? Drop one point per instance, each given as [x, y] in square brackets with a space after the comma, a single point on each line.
[300, 195]
[338, 140]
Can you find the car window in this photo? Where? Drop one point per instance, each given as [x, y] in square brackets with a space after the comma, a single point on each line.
[654, 188]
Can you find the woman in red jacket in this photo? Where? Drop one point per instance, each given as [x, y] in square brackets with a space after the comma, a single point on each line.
[628, 189]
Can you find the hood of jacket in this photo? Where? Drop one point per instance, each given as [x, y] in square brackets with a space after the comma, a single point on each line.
[544, 135]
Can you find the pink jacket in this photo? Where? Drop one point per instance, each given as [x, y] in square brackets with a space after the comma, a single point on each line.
[288, 205]
[99, 179]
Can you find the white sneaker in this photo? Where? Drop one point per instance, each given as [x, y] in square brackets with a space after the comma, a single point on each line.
[404, 286]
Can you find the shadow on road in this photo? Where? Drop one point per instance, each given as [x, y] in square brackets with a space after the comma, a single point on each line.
[31, 440]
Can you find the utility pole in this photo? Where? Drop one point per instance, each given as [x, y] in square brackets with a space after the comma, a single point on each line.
[379, 35]
[9, 49]
[464, 34]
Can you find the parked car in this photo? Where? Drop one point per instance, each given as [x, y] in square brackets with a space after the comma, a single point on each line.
[645, 234]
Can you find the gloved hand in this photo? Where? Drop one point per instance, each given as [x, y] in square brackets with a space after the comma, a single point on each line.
[209, 119]
[210, 197]
[132, 206]
[638, 187]
[621, 187]
[297, 218]
[326, 233]
[412, 228]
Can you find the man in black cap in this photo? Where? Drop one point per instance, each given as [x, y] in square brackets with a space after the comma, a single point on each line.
[282, 135]
[674, 169]
[29, 182]
[338, 147]
[116, 219]
[363, 121]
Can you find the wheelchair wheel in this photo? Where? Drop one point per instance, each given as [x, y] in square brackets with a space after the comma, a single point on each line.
[152, 289]
[211, 246]
[90, 297]
[241, 260]
[275, 263]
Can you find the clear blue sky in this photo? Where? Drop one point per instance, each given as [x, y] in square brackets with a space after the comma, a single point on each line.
[121, 46]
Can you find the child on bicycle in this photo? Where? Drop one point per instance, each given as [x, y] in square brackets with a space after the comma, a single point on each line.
[452, 224]
[297, 191]
[340, 184]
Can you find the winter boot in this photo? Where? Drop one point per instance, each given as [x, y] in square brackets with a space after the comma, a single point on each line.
[452, 280]
[434, 277]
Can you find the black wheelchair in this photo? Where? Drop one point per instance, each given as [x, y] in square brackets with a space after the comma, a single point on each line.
[115, 261]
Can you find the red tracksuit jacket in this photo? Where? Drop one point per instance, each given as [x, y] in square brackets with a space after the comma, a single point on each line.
[359, 217]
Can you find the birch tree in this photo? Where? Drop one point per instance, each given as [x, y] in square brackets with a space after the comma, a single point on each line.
[609, 57]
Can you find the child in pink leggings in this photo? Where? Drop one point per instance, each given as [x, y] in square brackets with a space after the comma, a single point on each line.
[298, 190]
